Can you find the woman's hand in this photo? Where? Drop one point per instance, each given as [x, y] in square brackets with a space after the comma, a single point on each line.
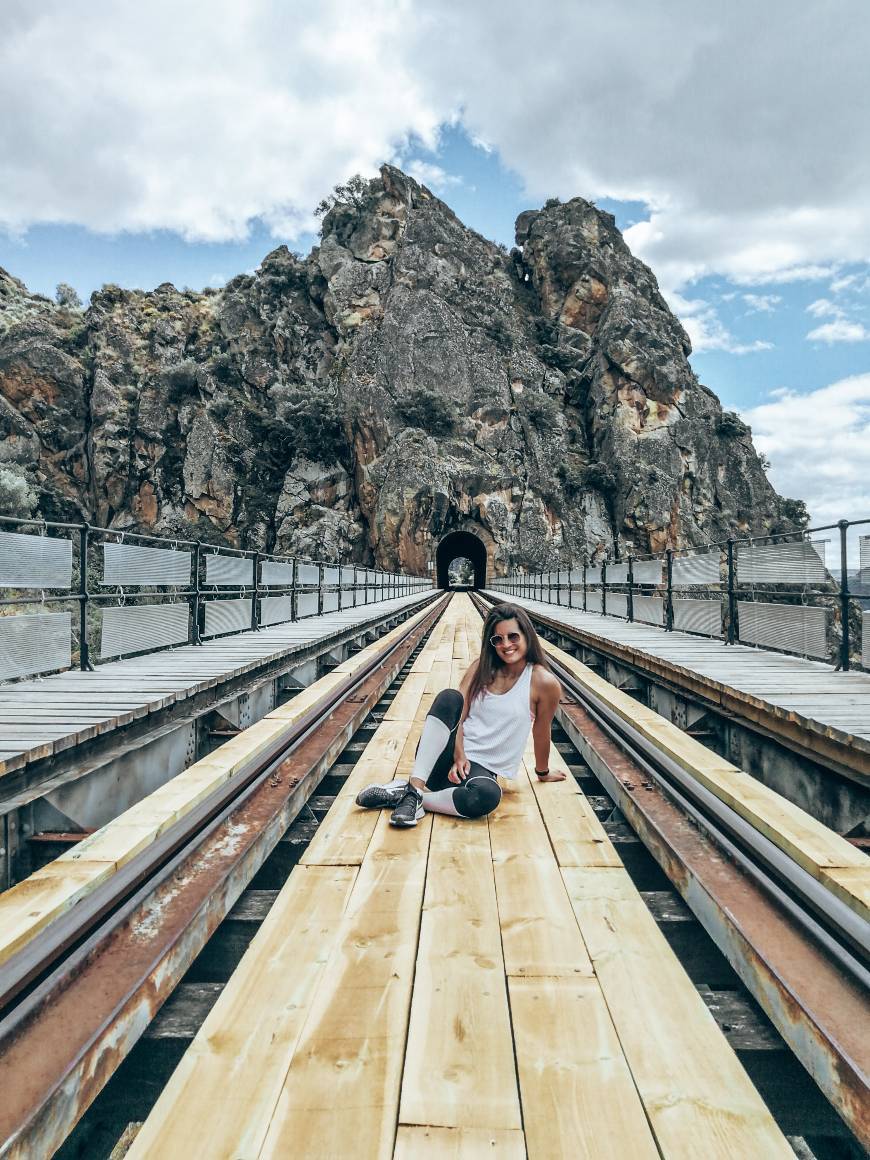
[459, 770]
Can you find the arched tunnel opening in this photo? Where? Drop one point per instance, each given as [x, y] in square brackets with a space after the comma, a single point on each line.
[455, 546]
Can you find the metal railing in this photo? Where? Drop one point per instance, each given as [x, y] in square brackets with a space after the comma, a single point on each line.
[773, 592]
[75, 594]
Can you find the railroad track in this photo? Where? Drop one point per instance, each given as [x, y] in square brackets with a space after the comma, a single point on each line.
[801, 951]
[207, 910]
[76, 995]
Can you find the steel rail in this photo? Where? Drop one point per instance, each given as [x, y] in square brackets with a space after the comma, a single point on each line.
[69, 929]
[840, 930]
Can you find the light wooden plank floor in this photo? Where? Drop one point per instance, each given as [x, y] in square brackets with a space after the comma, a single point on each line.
[461, 989]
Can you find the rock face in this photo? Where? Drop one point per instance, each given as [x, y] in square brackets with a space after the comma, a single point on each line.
[407, 379]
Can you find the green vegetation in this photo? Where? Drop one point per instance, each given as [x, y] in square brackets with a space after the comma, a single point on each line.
[541, 411]
[18, 497]
[434, 413]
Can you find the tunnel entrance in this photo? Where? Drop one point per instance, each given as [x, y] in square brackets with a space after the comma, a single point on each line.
[455, 546]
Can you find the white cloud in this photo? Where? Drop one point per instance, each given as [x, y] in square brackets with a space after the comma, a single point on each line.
[823, 308]
[203, 116]
[817, 445]
[432, 175]
[840, 330]
[762, 303]
[706, 329]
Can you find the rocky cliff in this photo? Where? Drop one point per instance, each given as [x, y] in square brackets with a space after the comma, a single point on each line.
[407, 379]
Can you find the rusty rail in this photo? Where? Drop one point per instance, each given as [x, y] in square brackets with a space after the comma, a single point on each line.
[69, 1032]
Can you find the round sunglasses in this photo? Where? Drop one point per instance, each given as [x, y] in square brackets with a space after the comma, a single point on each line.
[510, 638]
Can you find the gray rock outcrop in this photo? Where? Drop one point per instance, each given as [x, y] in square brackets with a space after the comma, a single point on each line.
[407, 379]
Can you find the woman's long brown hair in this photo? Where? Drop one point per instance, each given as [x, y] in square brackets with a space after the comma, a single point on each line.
[489, 663]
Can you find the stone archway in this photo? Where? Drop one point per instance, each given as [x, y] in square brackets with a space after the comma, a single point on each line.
[457, 544]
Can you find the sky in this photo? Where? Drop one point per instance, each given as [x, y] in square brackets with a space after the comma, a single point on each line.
[155, 142]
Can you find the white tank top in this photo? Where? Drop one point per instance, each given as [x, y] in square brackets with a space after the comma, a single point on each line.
[497, 727]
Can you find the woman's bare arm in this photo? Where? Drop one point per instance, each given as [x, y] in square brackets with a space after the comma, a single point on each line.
[546, 692]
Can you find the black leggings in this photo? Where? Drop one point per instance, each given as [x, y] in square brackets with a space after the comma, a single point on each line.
[479, 793]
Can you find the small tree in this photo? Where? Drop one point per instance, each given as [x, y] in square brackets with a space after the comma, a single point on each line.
[354, 193]
[17, 496]
[65, 295]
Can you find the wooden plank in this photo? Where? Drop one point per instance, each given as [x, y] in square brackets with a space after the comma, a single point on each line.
[341, 1091]
[539, 932]
[222, 1095]
[419, 1143]
[459, 1038]
[811, 844]
[697, 1096]
[343, 836]
[579, 1098]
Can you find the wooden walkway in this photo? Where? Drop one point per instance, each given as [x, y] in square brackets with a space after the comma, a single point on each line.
[463, 989]
[40, 717]
[805, 692]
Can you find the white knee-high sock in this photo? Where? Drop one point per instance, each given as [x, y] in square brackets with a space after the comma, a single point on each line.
[432, 741]
[441, 802]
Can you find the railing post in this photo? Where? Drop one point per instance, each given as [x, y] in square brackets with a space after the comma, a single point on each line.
[84, 592]
[630, 588]
[570, 583]
[603, 589]
[733, 633]
[255, 610]
[585, 565]
[843, 666]
[195, 632]
[669, 590]
[294, 592]
[320, 590]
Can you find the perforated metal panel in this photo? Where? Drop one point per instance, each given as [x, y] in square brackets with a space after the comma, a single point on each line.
[793, 628]
[649, 609]
[308, 574]
[617, 573]
[617, 604]
[346, 575]
[278, 573]
[330, 601]
[593, 574]
[276, 609]
[330, 575]
[647, 571]
[703, 568]
[229, 571]
[593, 599]
[576, 576]
[864, 559]
[865, 640]
[307, 604]
[133, 628]
[34, 643]
[703, 616]
[135, 564]
[802, 563]
[226, 616]
[34, 562]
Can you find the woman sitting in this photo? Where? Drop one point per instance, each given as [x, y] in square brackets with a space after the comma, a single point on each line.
[477, 733]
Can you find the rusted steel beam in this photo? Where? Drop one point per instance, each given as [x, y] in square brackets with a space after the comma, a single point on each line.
[92, 1012]
[820, 1012]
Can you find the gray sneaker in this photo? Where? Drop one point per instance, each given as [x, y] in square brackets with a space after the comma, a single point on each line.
[377, 797]
[409, 810]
